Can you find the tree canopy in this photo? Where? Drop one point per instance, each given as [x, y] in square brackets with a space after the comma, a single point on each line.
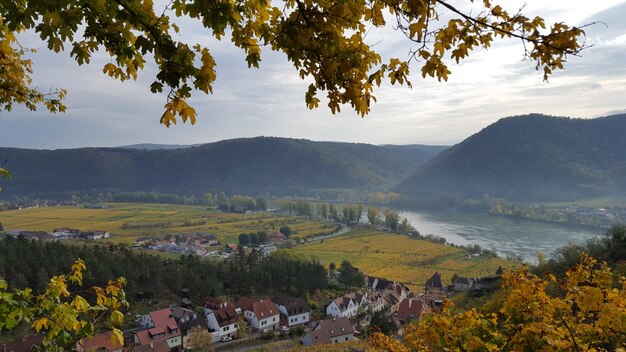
[584, 311]
[326, 41]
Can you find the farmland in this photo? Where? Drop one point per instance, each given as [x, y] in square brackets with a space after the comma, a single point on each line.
[400, 258]
[126, 222]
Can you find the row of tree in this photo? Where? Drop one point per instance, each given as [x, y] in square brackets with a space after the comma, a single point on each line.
[25, 263]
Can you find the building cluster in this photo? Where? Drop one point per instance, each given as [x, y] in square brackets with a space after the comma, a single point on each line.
[347, 316]
[198, 243]
[61, 234]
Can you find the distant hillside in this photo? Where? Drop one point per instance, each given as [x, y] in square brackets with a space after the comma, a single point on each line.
[531, 158]
[252, 166]
[152, 146]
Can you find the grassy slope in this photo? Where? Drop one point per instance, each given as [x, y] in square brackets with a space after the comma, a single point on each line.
[225, 226]
[400, 258]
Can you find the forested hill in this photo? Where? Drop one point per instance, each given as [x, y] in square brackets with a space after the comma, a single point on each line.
[251, 166]
[531, 158]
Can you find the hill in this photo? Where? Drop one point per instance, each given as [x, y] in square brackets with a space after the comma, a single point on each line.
[153, 146]
[531, 158]
[279, 166]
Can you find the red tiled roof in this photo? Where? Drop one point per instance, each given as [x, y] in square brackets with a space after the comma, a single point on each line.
[99, 342]
[164, 323]
[327, 329]
[157, 346]
[411, 308]
[264, 309]
[245, 303]
[226, 316]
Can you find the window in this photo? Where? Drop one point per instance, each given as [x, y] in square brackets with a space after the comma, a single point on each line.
[225, 328]
[274, 318]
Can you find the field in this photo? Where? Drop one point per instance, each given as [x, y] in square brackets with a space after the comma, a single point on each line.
[400, 258]
[126, 222]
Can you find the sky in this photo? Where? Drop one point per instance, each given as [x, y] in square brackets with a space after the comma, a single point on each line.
[269, 101]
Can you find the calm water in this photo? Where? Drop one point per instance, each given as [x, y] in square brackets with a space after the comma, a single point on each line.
[504, 235]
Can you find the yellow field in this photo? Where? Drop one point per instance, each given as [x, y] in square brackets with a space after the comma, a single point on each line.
[400, 258]
[126, 222]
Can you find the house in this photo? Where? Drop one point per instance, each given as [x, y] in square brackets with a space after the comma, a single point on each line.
[411, 309]
[334, 330]
[213, 303]
[260, 315]
[397, 289]
[342, 307]
[434, 291]
[463, 284]
[359, 298]
[99, 343]
[277, 237]
[95, 235]
[392, 302]
[65, 233]
[188, 323]
[375, 302]
[33, 235]
[296, 310]
[223, 321]
[159, 326]
[157, 346]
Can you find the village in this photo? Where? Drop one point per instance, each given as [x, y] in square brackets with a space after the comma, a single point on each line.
[249, 321]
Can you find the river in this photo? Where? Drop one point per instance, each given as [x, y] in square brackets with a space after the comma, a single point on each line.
[507, 236]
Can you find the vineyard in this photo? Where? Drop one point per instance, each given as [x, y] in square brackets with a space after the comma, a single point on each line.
[399, 257]
[126, 222]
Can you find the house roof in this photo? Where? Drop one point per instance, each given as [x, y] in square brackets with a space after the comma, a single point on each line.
[356, 296]
[214, 302]
[187, 319]
[164, 323]
[292, 305]
[411, 307]
[343, 302]
[434, 281]
[157, 346]
[99, 342]
[327, 329]
[245, 303]
[226, 316]
[264, 309]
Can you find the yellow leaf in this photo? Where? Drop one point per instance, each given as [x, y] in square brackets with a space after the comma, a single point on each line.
[41, 323]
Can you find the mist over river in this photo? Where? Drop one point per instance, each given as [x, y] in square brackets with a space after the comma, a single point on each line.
[507, 236]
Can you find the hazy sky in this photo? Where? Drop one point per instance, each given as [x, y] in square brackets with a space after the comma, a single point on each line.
[270, 101]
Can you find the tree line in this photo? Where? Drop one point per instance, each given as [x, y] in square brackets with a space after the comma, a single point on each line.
[25, 263]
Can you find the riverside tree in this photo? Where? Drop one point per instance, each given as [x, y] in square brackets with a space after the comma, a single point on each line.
[326, 41]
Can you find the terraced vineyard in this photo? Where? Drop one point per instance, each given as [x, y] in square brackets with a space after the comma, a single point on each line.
[400, 258]
[129, 221]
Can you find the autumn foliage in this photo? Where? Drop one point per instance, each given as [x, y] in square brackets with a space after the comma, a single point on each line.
[585, 311]
[63, 316]
[325, 40]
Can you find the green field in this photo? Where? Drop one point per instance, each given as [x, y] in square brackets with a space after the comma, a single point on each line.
[399, 257]
[126, 222]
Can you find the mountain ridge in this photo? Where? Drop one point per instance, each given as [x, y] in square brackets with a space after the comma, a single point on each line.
[530, 158]
[257, 165]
